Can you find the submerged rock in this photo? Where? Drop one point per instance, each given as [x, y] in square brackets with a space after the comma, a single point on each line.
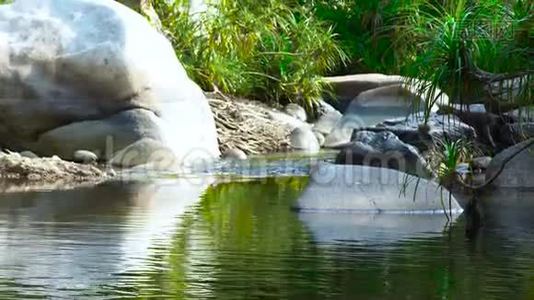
[383, 149]
[73, 63]
[364, 189]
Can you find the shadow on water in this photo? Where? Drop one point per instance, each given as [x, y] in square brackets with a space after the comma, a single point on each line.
[241, 240]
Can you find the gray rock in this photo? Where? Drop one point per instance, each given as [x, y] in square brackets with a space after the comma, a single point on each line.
[105, 136]
[524, 114]
[383, 149]
[481, 163]
[327, 121]
[479, 108]
[517, 163]
[234, 154]
[296, 111]
[441, 127]
[302, 138]
[143, 152]
[85, 156]
[320, 138]
[370, 108]
[60, 73]
[28, 154]
[346, 88]
[349, 188]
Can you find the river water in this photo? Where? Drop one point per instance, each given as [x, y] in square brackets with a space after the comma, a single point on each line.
[218, 238]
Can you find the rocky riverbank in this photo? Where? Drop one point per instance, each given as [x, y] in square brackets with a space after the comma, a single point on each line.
[20, 173]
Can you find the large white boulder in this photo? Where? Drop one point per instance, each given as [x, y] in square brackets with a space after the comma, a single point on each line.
[96, 69]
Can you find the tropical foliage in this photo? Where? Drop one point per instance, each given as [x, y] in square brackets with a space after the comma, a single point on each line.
[269, 50]
[274, 50]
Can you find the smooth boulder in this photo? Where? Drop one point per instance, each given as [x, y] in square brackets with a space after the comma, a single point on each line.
[66, 63]
[303, 138]
[327, 120]
[370, 108]
[364, 189]
[383, 149]
[347, 87]
[296, 111]
[86, 157]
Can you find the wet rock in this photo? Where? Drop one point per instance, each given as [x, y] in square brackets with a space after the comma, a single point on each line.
[234, 154]
[383, 149]
[85, 156]
[296, 111]
[304, 139]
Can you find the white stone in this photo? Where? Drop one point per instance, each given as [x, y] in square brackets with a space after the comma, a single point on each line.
[74, 61]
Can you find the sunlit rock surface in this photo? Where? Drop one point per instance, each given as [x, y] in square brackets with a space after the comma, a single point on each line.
[78, 66]
[363, 189]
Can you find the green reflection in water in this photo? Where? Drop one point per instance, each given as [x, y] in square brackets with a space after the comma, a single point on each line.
[242, 241]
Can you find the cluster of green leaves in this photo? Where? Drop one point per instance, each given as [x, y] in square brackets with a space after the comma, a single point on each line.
[366, 31]
[434, 42]
[450, 39]
[269, 49]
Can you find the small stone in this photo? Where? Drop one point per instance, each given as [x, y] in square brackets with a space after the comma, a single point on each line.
[304, 139]
[481, 162]
[84, 156]
[28, 154]
[234, 153]
[320, 137]
[296, 111]
[111, 173]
